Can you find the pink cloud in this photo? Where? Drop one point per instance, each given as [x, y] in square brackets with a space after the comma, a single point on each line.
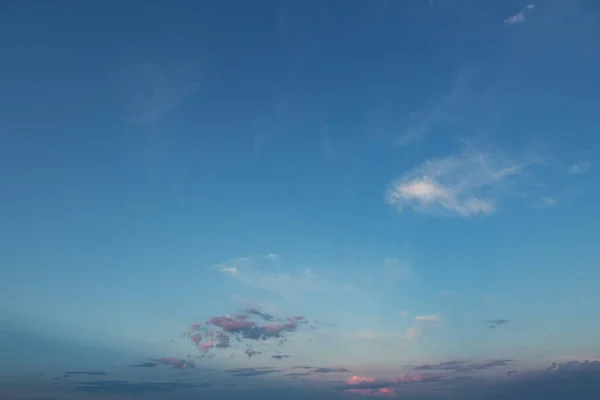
[194, 327]
[384, 391]
[355, 379]
[297, 318]
[196, 339]
[206, 346]
[229, 324]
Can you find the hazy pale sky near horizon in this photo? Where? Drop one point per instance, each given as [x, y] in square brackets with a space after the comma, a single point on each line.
[360, 185]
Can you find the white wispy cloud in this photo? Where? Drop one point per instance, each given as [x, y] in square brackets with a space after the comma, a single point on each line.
[545, 202]
[427, 318]
[423, 323]
[292, 284]
[412, 334]
[447, 293]
[579, 168]
[417, 130]
[404, 313]
[520, 16]
[157, 87]
[327, 146]
[459, 184]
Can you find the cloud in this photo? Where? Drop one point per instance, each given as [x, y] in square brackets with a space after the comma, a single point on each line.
[404, 313]
[355, 379]
[447, 293]
[145, 365]
[370, 386]
[325, 370]
[579, 168]
[428, 321]
[250, 329]
[496, 322]
[427, 318]
[463, 365]
[85, 373]
[255, 311]
[134, 388]
[515, 19]
[290, 286]
[447, 365]
[463, 185]
[253, 326]
[175, 362]
[545, 202]
[154, 88]
[246, 372]
[250, 352]
[413, 333]
[416, 131]
[519, 17]
[384, 391]
[298, 374]
[327, 147]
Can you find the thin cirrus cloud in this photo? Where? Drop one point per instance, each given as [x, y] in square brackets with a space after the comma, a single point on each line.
[417, 130]
[427, 318]
[291, 286]
[493, 323]
[428, 321]
[412, 334]
[546, 202]
[519, 17]
[422, 323]
[579, 168]
[462, 185]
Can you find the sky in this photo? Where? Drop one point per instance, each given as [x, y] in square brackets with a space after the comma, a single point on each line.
[325, 199]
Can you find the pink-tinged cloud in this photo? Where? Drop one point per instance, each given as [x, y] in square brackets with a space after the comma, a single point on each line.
[355, 379]
[229, 324]
[206, 346]
[194, 327]
[250, 352]
[370, 386]
[384, 391]
[196, 339]
[220, 331]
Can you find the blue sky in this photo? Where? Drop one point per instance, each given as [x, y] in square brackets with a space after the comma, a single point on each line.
[415, 179]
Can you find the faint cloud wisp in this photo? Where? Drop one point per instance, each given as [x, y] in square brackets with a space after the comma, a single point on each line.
[457, 184]
[519, 17]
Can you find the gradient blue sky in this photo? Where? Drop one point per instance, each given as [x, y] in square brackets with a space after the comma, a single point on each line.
[399, 171]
